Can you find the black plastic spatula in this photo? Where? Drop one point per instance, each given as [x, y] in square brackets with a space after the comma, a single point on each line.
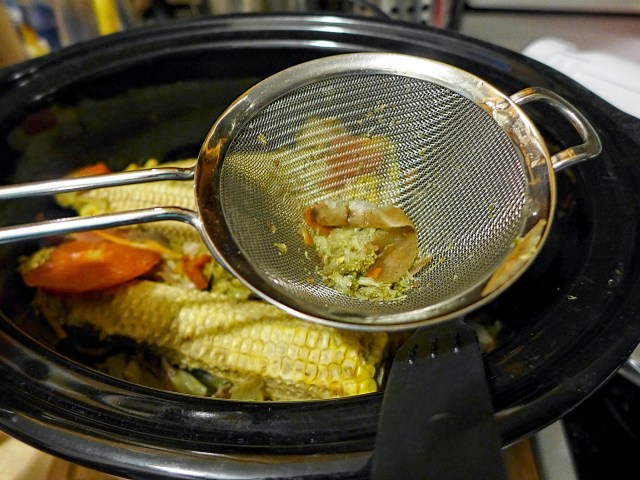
[436, 421]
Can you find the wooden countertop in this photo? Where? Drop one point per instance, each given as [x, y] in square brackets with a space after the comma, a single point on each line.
[20, 462]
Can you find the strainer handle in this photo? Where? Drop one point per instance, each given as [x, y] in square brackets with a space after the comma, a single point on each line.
[63, 226]
[591, 145]
[74, 184]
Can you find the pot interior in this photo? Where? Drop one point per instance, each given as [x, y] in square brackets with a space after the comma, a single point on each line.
[123, 105]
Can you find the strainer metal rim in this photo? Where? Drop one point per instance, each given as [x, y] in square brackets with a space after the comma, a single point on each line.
[512, 120]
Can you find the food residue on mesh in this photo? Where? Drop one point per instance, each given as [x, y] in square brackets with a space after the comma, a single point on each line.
[365, 250]
[523, 250]
[281, 247]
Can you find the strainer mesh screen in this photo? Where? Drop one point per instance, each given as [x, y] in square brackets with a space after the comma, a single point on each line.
[385, 138]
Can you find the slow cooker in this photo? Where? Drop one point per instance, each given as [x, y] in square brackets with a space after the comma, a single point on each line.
[569, 323]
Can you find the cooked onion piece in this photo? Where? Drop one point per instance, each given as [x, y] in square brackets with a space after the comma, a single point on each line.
[365, 250]
[524, 249]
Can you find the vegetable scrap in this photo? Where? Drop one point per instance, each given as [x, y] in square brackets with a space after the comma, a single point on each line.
[86, 264]
[524, 250]
[196, 328]
[366, 251]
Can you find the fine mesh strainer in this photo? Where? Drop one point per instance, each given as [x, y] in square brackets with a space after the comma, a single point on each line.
[459, 157]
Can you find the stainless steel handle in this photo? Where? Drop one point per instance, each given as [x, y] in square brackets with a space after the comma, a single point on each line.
[78, 224]
[63, 226]
[591, 145]
[74, 184]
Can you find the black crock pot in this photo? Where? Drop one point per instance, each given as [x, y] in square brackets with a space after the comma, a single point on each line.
[569, 323]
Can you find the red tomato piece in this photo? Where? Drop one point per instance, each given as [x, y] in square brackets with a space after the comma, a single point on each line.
[78, 266]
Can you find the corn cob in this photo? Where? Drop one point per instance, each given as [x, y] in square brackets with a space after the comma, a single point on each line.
[235, 340]
[131, 197]
[211, 331]
[178, 236]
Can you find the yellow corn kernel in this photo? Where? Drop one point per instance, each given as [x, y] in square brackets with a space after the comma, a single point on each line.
[235, 340]
[173, 193]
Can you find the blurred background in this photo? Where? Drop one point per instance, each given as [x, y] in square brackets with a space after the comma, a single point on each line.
[40, 26]
[586, 39]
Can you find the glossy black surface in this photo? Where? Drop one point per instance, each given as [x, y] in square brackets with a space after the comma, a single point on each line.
[569, 322]
[603, 432]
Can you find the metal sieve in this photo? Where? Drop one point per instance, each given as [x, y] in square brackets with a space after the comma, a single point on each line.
[458, 156]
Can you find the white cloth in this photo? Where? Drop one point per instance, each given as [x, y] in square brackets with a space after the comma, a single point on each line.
[615, 79]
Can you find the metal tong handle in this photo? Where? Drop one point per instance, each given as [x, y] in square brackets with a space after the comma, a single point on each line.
[436, 420]
[591, 145]
[78, 224]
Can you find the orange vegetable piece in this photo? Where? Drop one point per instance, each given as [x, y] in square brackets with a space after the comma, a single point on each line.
[310, 220]
[308, 241]
[80, 266]
[374, 272]
[353, 156]
[94, 169]
[193, 269]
